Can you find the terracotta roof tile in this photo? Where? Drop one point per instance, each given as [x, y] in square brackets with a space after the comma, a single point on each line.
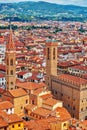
[3, 123]
[51, 101]
[30, 107]
[29, 85]
[46, 96]
[72, 79]
[13, 118]
[18, 92]
[63, 114]
[10, 118]
[42, 112]
[5, 105]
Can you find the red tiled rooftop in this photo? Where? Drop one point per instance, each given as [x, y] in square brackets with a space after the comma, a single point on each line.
[42, 112]
[72, 79]
[2, 75]
[22, 72]
[84, 122]
[30, 107]
[18, 92]
[63, 114]
[3, 123]
[46, 96]
[51, 102]
[80, 67]
[29, 85]
[13, 118]
[2, 67]
[5, 105]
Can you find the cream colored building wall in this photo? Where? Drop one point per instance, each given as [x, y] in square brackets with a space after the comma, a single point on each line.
[60, 125]
[20, 103]
[83, 104]
[16, 126]
[39, 101]
[55, 126]
[65, 125]
[59, 104]
[47, 107]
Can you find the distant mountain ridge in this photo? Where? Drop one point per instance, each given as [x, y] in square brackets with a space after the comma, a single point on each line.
[33, 11]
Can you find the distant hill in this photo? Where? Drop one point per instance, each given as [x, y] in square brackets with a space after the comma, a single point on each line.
[33, 11]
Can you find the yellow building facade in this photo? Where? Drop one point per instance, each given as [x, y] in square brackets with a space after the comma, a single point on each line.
[16, 126]
[60, 125]
[20, 100]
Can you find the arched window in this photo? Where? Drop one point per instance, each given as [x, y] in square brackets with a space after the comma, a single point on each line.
[7, 72]
[7, 62]
[11, 83]
[11, 72]
[11, 62]
[48, 53]
[64, 124]
[54, 53]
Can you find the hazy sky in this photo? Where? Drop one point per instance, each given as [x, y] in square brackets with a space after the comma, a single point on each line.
[75, 2]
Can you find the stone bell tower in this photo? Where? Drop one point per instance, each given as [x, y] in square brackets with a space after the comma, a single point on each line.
[10, 64]
[51, 60]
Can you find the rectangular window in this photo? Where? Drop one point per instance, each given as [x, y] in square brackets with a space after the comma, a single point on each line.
[33, 102]
[81, 109]
[26, 101]
[55, 92]
[11, 72]
[61, 94]
[0, 96]
[19, 125]
[48, 53]
[12, 126]
[54, 53]
[11, 83]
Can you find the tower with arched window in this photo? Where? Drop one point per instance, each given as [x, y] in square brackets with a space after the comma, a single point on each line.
[51, 60]
[10, 64]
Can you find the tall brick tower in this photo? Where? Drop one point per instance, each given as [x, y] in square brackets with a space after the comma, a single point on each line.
[10, 64]
[51, 60]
